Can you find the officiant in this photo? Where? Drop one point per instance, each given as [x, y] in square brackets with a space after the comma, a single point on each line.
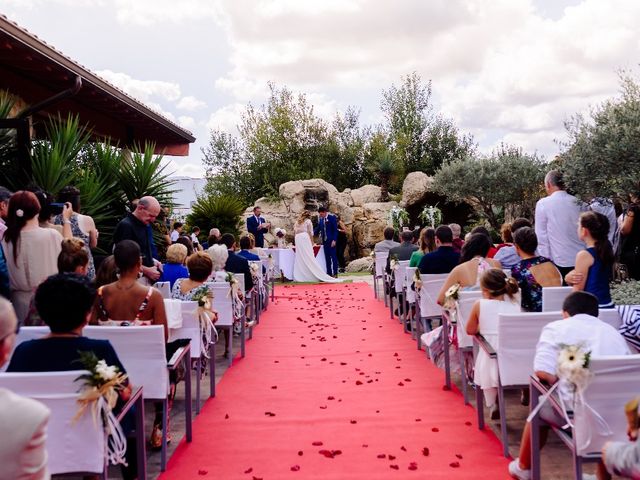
[258, 226]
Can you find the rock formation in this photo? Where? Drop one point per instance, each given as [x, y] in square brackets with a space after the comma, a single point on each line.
[364, 216]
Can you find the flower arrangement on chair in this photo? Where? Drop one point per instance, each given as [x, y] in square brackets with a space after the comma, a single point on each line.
[99, 392]
[451, 297]
[207, 317]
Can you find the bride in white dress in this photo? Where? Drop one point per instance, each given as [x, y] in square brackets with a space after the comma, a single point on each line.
[305, 268]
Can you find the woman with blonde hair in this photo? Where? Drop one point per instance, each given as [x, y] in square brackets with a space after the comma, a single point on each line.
[498, 296]
[174, 268]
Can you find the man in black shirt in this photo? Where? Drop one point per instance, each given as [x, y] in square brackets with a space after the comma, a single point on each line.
[134, 227]
[445, 258]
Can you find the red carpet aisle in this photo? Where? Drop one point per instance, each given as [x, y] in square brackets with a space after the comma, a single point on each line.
[331, 388]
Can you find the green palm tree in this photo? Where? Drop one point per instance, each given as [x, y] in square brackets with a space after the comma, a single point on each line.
[384, 167]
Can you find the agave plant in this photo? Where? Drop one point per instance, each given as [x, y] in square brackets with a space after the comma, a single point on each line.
[221, 211]
[144, 174]
[55, 161]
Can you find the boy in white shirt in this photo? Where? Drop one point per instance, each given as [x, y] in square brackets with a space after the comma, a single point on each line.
[580, 325]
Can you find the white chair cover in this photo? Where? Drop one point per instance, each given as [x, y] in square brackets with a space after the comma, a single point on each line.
[71, 447]
[610, 316]
[399, 275]
[142, 352]
[518, 335]
[552, 298]
[429, 296]
[463, 309]
[409, 273]
[613, 384]
[381, 263]
[222, 303]
[165, 288]
[173, 309]
[190, 327]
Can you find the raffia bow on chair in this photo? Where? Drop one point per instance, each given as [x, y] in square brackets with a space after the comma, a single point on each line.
[101, 400]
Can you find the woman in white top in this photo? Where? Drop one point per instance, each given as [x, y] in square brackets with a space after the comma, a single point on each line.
[306, 268]
[31, 251]
[498, 296]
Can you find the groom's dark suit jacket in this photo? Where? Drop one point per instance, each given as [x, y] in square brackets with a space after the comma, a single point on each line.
[330, 227]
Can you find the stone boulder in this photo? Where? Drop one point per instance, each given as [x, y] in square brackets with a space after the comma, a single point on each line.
[365, 194]
[364, 264]
[360, 210]
[414, 188]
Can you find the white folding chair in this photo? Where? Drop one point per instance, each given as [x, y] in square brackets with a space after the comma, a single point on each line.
[164, 288]
[410, 298]
[192, 330]
[612, 385]
[59, 392]
[553, 297]
[398, 287]
[466, 299]
[380, 264]
[142, 352]
[610, 316]
[223, 304]
[428, 303]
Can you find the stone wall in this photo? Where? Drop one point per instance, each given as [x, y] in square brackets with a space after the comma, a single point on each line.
[364, 216]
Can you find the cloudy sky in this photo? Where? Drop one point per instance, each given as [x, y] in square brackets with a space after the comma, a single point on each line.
[504, 70]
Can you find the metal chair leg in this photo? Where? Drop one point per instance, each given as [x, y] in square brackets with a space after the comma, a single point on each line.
[141, 443]
[447, 363]
[503, 421]
[198, 378]
[212, 369]
[463, 375]
[534, 399]
[165, 422]
[187, 399]
[479, 406]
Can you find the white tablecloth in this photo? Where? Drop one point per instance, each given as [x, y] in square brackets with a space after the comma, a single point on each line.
[284, 258]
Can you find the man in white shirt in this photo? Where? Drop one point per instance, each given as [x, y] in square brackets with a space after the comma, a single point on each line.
[606, 208]
[580, 325]
[556, 224]
[175, 233]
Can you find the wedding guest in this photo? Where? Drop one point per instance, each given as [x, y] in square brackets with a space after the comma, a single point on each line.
[45, 199]
[341, 244]
[174, 268]
[186, 241]
[235, 263]
[483, 230]
[580, 326]
[23, 452]
[64, 303]
[473, 263]
[219, 255]
[533, 272]
[498, 296]
[136, 227]
[107, 272]
[212, 239]
[630, 232]
[594, 265]
[4, 272]
[427, 244]
[623, 458]
[388, 243]
[258, 226]
[176, 232]
[82, 226]
[507, 255]
[555, 222]
[127, 302]
[404, 250]
[195, 232]
[73, 257]
[245, 250]
[252, 247]
[200, 267]
[606, 207]
[458, 242]
[444, 258]
[31, 252]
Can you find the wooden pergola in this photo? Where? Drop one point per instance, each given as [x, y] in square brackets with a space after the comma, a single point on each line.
[48, 83]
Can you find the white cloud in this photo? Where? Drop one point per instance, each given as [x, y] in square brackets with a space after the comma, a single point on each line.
[226, 118]
[143, 90]
[190, 104]
[151, 12]
[187, 122]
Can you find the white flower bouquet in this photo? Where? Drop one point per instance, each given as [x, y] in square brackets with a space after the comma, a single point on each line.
[451, 296]
[431, 216]
[573, 366]
[398, 217]
[280, 232]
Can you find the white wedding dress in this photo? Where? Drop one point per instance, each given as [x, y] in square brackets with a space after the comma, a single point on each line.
[305, 267]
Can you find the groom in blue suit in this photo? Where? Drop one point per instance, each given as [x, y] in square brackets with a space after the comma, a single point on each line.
[328, 230]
